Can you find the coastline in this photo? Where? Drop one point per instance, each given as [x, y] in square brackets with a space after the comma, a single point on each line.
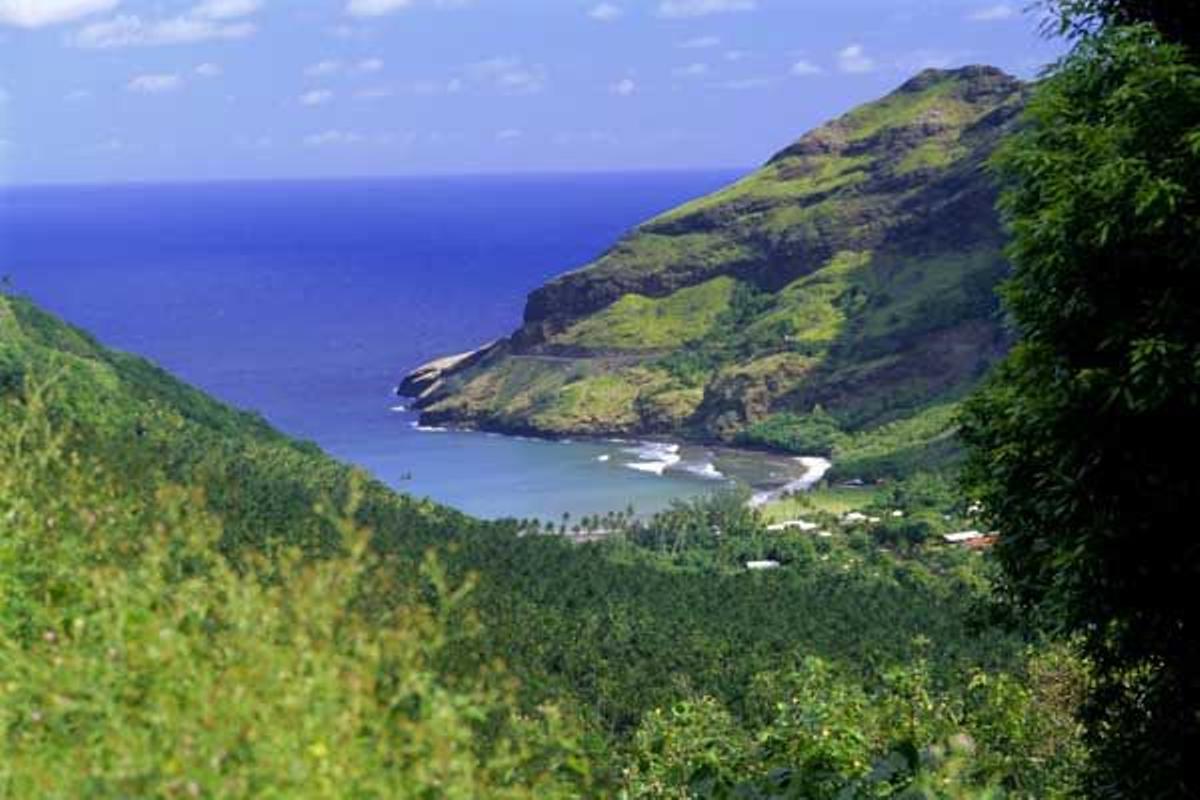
[766, 473]
[815, 468]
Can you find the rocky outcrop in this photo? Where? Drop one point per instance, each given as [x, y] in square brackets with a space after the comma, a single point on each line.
[426, 379]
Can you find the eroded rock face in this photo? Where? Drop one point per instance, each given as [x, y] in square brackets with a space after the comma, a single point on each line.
[425, 380]
[896, 188]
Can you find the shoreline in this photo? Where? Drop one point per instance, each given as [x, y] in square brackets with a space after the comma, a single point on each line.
[767, 473]
[410, 401]
[815, 468]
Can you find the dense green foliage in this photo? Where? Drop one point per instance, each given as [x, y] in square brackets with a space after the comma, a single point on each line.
[1176, 20]
[136, 662]
[920, 441]
[816, 433]
[1076, 441]
[151, 427]
[145, 651]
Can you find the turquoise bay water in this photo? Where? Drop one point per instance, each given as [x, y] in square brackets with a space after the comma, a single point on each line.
[306, 301]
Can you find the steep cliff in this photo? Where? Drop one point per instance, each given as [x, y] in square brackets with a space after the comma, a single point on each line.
[845, 285]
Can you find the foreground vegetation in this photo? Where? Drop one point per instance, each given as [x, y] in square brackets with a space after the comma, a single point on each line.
[136, 661]
[171, 629]
[1075, 445]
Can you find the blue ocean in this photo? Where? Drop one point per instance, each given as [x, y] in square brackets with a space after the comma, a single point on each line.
[306, 301]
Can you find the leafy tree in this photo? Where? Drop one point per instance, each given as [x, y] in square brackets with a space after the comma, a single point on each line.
[694, 749]
[1176, 20]
[1076, 445]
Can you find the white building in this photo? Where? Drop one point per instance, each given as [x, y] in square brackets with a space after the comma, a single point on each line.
[803, 525]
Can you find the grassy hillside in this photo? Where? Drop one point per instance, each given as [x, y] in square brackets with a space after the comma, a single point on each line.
[144, 424]
[193, 605]
[852, 275]
[189, 606]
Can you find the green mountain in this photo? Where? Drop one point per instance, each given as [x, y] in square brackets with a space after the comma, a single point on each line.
[835, 300]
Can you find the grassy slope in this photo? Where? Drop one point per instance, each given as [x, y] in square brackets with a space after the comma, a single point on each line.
[135, 661]
[145, 424]
[853, 273]
[636, 322]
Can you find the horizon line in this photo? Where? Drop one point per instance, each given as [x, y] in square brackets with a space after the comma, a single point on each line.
[499, 173]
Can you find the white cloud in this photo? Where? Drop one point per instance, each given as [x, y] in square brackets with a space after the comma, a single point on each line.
[77, 95]
[381, 8]
[508, 75]
[508, 134]
[690, 71]
[996, 13]
[735, 55]
[681, 9]
[804, 68]
[742, 84]
[225, 9]
[131, 30]
[701, 42]
[155, 84]
[333, 137]
[317, 97]
[332, 66]
[605, 12]
[327, 67]
[375, 8]
[3, 96]
[208, 19]
[623, 87]
[38, 13]
[854, 59]
[209, 70]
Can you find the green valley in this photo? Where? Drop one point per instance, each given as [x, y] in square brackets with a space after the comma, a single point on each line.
[193, 605]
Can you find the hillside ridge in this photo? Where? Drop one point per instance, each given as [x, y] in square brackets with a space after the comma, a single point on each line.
[851, 277]
[141, 423]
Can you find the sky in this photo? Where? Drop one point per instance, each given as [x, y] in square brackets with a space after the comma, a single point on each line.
[177, 90]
